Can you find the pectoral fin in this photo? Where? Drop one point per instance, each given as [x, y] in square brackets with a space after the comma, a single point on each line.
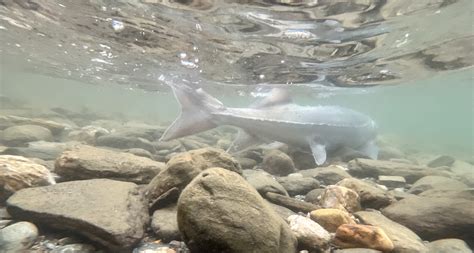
[243, 141]
[318, 150]
[369, 149]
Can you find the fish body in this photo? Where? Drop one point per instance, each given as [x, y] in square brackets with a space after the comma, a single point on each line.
[320, 128]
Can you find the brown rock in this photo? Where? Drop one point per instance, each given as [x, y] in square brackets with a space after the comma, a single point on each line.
[182, 168]
[277, 163]
[362, 236]
[220, 212]
[17, 172]
[331, 219]
[87, 162]
[371, 196]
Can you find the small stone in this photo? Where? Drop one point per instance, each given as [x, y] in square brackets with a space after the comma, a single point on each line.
[263, 182]
[140, 152]
[392, 181]
[298, 185]
[443, 160]
[313, 196]
[448, 246]
[165, 224]
[358, 250]
[330, 218]
[404, 240]
[17, 237]
[310, 234]
[371, 195]
[362, 236]
[327, 175]
[17, 172]
[340, 197]
[20, 135]
[277, 163]
[74, 248]
[246, 163]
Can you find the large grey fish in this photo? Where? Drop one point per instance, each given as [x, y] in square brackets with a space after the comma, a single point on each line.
[322, 129]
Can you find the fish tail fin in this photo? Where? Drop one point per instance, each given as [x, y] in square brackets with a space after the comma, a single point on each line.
[196, 112]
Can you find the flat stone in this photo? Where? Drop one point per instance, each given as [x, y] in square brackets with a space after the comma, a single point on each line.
[17, 172]
[295, 185]
[119, 141]
[404, 240]
[374, 168]
[291, 203]
[392, 181]
[112, 213]
[435, 218]
[87, 162]
[371, 196]
[220, 212]
[448, 246]
[327, 175]
[53, 126]
[443, 160]
[41, 149]
[357, 250]
[165, 224]
[17, 237]
[264, 182]
[436, 183]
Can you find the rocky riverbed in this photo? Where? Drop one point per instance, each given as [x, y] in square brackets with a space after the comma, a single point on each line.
[75, 182]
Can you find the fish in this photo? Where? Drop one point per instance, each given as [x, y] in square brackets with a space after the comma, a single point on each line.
[320, 129]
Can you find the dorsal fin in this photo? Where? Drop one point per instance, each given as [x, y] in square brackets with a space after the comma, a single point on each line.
[277, 96]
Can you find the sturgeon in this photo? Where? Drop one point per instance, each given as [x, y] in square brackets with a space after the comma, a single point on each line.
[321, 129]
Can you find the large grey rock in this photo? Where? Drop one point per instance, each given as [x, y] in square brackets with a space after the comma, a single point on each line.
[20, 135]
[448, 246]
[220, 212]
[17, 237]
[87, 162]
[326, 175]
[165, 224]
[277, 163]
[435, 218]
[263, 182]
[404, 240]
[17, 172]
[467, 193]
[463, 172]
[112, 213]
[54, 127]
[371, 196]
[296, 184]
[436, 183]
[181, 169]
[374, 168]
[281, 210]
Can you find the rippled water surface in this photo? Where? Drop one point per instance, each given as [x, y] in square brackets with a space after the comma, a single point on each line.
[422, 50]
